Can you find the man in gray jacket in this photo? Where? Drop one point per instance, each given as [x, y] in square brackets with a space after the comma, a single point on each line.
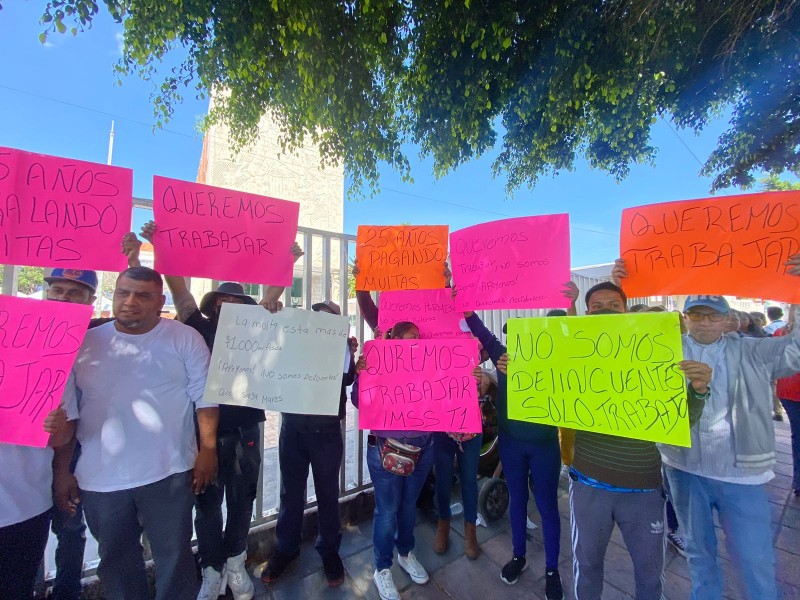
[733, 446]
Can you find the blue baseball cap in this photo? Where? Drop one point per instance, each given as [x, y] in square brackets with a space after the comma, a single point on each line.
[718, 303]
[87, 278]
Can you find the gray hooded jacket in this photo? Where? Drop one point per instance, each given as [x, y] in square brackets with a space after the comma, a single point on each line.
[752, 364]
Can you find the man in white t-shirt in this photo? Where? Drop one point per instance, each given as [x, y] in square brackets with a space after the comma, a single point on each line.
[25, 506]
[138, 383]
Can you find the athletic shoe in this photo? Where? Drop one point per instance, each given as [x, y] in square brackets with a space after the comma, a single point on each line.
[334, 569]
[411, 565]
[385, 584]
[511, 572]
[276, 566]
[238, 579]
[212, 585]
[677, 542]
[552, 585]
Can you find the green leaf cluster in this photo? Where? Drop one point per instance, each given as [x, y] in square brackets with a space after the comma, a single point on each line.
[545, 81]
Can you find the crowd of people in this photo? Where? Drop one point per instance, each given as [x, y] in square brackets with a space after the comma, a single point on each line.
[134, 450]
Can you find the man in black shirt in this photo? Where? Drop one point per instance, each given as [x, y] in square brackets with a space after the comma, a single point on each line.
[222, 553]
[315, 441]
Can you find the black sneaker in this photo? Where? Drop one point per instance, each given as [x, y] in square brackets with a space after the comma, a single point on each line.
[334, 569]
[552, 586]
[677, 542]
[276, 566]
[510, 573]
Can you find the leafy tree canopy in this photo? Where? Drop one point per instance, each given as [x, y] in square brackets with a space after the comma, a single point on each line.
[550, 80]
[773, 183]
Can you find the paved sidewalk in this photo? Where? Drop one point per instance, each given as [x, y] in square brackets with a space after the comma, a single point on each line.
[453, 576]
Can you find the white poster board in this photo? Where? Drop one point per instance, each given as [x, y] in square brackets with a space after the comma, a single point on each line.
[290, 361]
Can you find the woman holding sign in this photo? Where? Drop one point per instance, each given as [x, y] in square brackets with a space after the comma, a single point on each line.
[399, 463]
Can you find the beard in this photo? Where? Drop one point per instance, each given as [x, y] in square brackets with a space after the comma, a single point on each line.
[132, 323]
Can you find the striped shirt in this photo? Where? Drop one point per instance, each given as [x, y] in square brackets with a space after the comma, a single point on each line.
[617, 462]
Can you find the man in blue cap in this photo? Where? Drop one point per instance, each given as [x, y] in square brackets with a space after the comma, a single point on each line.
[733, 446]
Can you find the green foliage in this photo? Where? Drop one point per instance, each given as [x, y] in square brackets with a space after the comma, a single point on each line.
[28, 279]
[550, 81]
[773, 183]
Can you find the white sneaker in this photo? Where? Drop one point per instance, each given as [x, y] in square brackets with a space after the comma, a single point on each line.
[411, 565]
[212, 586]
[385, 584]
[239, 581]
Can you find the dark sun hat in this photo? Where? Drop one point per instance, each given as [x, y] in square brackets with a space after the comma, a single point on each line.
[228, 288]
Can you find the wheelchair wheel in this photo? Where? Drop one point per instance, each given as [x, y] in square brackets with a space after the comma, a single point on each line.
[493, 499]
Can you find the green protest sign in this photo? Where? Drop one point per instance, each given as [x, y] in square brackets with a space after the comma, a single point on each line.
[615, 374]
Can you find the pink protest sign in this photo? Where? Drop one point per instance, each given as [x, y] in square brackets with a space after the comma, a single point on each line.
[432, 311]
[59, 212]
[205, 231]
[39, 341]
[419, 385]
[513, 263]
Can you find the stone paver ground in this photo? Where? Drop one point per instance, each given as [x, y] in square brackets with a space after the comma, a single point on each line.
[453, 576]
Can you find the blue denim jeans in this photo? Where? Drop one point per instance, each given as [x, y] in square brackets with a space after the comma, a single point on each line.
[395, 504]
[745, 518]
[446, 452]
[542, 463]
[792, 408]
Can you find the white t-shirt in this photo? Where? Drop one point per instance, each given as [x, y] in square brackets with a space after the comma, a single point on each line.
[136, 396]
[26, 478]
[26, 481]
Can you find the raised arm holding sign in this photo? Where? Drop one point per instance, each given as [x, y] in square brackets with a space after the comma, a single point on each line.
[59, 212]
[513, 263]
[736, 245]
[212, 232]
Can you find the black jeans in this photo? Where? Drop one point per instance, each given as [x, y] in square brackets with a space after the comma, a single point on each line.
[239, 456]
[322, 451]
[21, 550]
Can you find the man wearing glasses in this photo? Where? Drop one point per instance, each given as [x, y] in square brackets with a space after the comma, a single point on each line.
[733, 444]
[733, 449]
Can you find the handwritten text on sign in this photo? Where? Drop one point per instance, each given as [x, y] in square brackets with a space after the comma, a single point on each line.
[38, 344]
[58, 212]
[734, 245]
[290, 361]
[513, 263]
[404, 257]
[432, 311]
[614, 374]
[419, 385]
[212, 232]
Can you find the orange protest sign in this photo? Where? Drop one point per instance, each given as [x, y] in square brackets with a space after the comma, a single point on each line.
[734, 245]
[402, 257]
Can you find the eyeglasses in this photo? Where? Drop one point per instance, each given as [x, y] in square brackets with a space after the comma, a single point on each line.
[714, 317]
